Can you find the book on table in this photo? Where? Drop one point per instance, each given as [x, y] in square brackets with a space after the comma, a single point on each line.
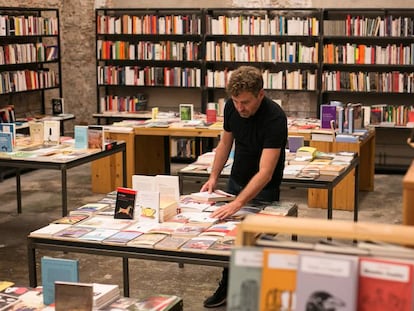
[125, 203]
[215, 196]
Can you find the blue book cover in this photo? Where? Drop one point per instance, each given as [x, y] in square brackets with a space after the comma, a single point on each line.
[9, 128]
[81, 136]
[57, 269]
[6, 142]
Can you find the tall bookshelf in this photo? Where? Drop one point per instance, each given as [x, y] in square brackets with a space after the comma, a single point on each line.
[30, 54]
[350, 55]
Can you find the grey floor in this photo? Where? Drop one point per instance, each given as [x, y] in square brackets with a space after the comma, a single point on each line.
[41, 201]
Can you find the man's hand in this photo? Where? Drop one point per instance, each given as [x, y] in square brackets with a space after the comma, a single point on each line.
[209, 185]
[226, 210]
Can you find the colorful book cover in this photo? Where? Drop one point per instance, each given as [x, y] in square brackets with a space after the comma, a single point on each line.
[278, 284]
[199, 243]
[327, 116]
[98, 234]
[245, 278]
[81, 136]
[96, 139]
[72, 232]
[6, 142]
[385, 284]
[9, 128]
[148, 206]
[122, 237]
[125, 203]
[322, 279]
[57, 269]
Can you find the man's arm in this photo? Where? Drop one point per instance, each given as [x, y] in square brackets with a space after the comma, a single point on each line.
[267, 165]
[221, 155]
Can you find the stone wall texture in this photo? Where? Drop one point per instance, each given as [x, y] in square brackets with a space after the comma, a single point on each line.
[77, 24]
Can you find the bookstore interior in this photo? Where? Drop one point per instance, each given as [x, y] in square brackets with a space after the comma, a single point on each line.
[126, 226]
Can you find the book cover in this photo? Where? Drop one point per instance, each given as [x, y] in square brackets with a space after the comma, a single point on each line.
[6, 142]
[147, 240]
[57, 269]
[215, 196]
[222, 246]
[70, 296]
[245, 278]
[51, 132]
[81, 136]
[295, 142]
[322, 278]
[36, 130]
[70, 219]
[327, 115]
[199, 243]
[171, 242]
[106, 222]
[49, 230]
[385, 284]
[9, 128]
[221, 229]
[96, 139]
[125, 203]
[148, 206]
[166, 227]
[72, 232]
[278, 283]
[186, 112]
[99, 234]
[122, 237]
[89, 209]
[157, 302]
[57, 106]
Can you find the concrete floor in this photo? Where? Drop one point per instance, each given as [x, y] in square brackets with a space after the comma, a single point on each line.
[41, 196]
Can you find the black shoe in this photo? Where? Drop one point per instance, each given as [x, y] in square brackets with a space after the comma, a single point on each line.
[218, 298]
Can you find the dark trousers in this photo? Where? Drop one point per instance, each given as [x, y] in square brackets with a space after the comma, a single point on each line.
[266, 195]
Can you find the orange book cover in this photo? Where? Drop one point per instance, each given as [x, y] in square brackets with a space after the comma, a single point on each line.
[278, 279]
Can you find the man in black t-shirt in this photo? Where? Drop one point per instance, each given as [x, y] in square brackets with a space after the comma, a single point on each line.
[258, 128]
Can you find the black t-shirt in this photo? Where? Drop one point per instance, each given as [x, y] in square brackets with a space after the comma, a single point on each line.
[267, 128]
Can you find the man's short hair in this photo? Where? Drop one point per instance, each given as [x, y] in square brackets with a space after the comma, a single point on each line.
[245, 79]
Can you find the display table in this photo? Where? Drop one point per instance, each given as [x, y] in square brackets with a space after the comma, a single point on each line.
[63, 165]
[323, 182]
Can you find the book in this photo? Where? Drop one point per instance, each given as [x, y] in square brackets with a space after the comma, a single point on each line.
[332, 273]
[9, 128]
[58, 106]
[166, 227]
[89, 209]
[122, 303]
[385, 284]
[122, 237]
[72, 232]
[125, 203]
[51, 132]
[278, 284]
[148, 206]
[104, 294]
[57, 269]
[171, 242]
[49, 230]
[221, 229]
[71, 296]
[36, 132]
[146, 240]
[106, 222]
[96, 138]
[295, 142]
[222, 246]
[186, 112]
[99, 234]
[198, 243]
[215, 196]
[6, 142]
[328, 116]
[81, 136]
[245, 277]
[158, 302]
[70, 219]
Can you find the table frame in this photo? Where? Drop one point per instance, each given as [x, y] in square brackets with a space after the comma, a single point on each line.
[121, 251]
[20, 164]
[322, 182]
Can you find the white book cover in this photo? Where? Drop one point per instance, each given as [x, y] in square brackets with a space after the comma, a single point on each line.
[148, 206]
[51, 132]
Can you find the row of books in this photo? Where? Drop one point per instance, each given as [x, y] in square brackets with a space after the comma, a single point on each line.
[24, 80]
[74, 295]
[296, 278]
[352, 53]
[263, 24]
[28, 25]
[269, 51]
[27, 53]
[386, 82]
[379, 26]
[147, 50]
[174, 24]
[149, 76]
[285, 79]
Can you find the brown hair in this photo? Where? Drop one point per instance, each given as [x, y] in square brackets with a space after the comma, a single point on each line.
[245, 79]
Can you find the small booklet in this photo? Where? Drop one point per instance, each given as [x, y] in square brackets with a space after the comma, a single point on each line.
[125, 203]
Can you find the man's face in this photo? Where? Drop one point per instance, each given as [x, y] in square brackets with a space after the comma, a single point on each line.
[247, 104]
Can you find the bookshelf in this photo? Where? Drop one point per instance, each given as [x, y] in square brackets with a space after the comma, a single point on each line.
[350, 55]
[29, 53]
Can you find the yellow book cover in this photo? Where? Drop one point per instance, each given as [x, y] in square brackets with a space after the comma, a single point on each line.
[278, 279]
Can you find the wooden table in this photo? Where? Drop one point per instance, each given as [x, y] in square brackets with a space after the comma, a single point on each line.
[148, 153]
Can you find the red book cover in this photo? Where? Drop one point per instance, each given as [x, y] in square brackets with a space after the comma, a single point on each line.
[125, 203]
[385, 284]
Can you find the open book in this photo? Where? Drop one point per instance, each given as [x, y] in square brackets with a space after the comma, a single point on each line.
[215, 196]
